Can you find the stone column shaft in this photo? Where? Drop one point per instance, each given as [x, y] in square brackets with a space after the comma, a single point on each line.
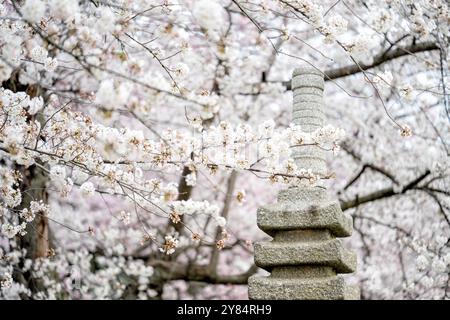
[308, 112]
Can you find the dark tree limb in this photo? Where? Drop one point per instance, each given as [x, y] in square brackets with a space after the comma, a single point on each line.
[225, 211]
[176, 271]
[382, 194]
[365, 166]
[438, 202]
[184, 193]
[374, 168]
[378, 60]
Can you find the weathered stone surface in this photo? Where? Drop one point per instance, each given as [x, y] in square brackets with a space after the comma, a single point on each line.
[302, 105]
[308, 80]
[304, 116]
[323, 253]
[304, 256]
[306, 70]
[310, 98]
[307, 113]
[308, 90]
[326, 288]
[311, 196]
[293, 216]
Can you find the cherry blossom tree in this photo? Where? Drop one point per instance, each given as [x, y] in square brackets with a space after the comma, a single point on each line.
[138, 138]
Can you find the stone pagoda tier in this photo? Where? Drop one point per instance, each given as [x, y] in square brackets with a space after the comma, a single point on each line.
[305, 258]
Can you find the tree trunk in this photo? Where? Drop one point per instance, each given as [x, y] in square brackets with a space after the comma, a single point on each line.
[33, 187]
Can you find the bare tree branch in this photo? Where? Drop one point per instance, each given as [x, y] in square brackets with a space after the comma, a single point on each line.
[382, 194]
[177, 271]
[377, 61]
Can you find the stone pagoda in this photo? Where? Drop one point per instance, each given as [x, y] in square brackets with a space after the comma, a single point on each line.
[305, 258]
